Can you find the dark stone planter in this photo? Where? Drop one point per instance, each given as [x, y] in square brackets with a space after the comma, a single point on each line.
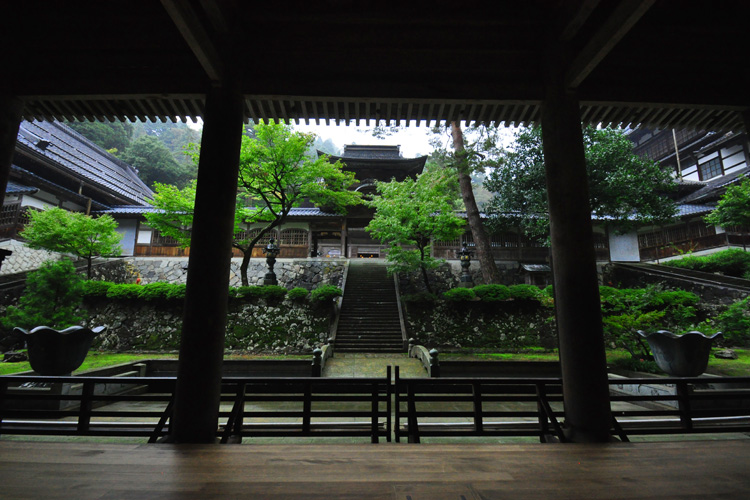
[680, 355]
[58, 352]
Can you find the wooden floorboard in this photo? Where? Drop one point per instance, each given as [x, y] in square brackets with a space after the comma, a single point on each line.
[82, 471]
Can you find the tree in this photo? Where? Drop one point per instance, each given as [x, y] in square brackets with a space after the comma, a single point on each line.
[733, 208]
[155, 163]
[52, 294]
[275, 176]
[472, 152]
[115, 136]
[177, 137]
[86, 237]
[625, 189]
[413, 214]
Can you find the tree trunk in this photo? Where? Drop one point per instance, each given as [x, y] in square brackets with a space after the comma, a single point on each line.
[482, 247]
[247, 253]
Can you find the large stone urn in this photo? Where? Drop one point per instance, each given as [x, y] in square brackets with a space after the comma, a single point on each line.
[58, 352]
[680, 355]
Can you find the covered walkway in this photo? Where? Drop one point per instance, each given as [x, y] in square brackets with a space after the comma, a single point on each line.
[684, 470]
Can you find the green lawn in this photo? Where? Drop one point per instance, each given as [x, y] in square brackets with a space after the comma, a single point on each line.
[96, 359]
[728, 367]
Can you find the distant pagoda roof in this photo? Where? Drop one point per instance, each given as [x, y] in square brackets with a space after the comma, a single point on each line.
[378, 162]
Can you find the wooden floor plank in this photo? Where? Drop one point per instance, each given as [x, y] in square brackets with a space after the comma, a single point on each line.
[691, 469]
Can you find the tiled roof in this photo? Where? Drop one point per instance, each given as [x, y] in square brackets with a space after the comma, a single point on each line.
[311, 212]
[371, 152]
[15, 188]
[689, 209]
[82, 158]
[714, 188]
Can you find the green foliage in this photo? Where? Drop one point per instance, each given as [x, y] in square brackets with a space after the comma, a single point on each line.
[112, 136]
[413, 214]
[297, 293]
[734, 323]
[268, 292]
[124, 292]
[459, 295]
[734, 207]
[732, 262]
[275, 176]
[155, 163]
[524, 292]
[420, 298]
[96, 289]
[52, 295]
[623, 186]
[492, 293]
[176, 137]
[624, 311]
[642, 365]
[326, 293]
[58, 230]
[176, 292]
[155, 291]
[174, 216]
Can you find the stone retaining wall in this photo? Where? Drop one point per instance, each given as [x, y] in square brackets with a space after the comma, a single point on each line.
[306, 273]
[24, 258]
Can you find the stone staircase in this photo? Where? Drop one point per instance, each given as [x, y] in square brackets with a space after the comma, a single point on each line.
[369, 319]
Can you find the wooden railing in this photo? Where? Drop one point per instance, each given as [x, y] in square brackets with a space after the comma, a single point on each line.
[259, 407]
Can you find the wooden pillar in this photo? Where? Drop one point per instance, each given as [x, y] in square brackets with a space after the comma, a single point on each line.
[10, 119]
[204, 319]
[579, 322]
[746, 122]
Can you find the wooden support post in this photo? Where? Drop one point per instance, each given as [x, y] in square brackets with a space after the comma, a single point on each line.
[577, 309]
[10, 119]
[198, 388]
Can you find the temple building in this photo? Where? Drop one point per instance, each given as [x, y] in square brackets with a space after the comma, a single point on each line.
[311, 231]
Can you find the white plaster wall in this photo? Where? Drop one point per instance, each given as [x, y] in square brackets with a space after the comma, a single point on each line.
[624, 247]
[127, 228]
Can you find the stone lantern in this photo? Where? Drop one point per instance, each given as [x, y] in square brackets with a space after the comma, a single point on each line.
[271, 251]
[465, 257]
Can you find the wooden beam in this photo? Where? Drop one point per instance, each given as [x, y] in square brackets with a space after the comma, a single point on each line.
[578, 19]
[191, 28]
[10, 119]
[609, 34]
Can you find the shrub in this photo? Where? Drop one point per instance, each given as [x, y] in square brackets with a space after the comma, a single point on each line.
[735, 322]
[124, 292]
[548, 291]
[524, 292]
[154, 291]
[326, 293]
[96, 289]
[459, 294]
[273, 292]
[297, 293]
[732, 262]
[261, 292]
[248, 292]
[492, 293]
[176, 292]
[52, 295]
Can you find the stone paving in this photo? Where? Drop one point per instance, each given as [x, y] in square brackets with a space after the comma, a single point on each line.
[351, 364]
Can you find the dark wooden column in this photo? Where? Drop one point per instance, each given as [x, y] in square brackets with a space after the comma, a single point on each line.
[10, 118]
[579, 323]
[204, 320]
[746, 122]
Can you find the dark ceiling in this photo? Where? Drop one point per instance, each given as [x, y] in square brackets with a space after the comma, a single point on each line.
[661, 63]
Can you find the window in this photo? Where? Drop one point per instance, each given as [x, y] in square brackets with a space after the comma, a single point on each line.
[711, 169]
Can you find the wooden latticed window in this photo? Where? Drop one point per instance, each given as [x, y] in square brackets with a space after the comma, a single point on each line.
[265, 239]
[711, 169]
[293, 237]
[159, 239]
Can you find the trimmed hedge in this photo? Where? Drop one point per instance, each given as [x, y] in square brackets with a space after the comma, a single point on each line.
[326, 293]
[732, 262]
[492, 293]
[459, 295]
